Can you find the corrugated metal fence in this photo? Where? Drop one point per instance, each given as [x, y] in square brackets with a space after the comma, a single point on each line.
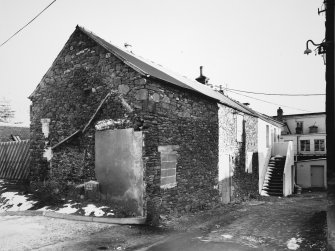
[14, 160]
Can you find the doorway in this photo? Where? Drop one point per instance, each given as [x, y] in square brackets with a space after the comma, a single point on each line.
[225, 178]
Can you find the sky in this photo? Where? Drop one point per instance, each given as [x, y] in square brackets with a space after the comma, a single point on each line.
[245, 45]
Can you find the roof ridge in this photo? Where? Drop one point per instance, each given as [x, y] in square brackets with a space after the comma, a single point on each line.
[152, 69]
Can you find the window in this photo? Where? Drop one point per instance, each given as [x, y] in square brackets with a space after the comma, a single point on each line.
[239, 128]
[299, 128]
[305, 145]
[319, 144]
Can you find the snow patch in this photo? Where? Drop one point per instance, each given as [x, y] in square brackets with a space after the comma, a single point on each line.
[67, 209]
[227, 236]
[96, 210]
[108, 214]
[12, 201]
[293, 243]
[46, 208]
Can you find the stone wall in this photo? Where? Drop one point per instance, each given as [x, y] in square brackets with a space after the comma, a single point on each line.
[246, 182]
[68, 95]
[188, 123]
[72, 90]
[235, 182]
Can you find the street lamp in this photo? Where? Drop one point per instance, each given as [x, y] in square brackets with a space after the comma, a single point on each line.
[321, 47]
[308, 51]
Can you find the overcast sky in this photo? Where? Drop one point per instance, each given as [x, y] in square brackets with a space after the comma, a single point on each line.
[246, 45]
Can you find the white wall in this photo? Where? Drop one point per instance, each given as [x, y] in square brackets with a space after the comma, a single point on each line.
[274, 133]
[288, 169]
[265, 152]
[308, 120]
[280, 148]
[304, 172]
[293, 138]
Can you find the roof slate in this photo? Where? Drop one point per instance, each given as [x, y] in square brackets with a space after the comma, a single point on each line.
[151, 69]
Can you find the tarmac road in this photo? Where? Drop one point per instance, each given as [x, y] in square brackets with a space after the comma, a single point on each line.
[294, 223]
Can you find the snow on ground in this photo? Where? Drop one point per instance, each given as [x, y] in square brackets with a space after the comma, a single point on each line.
[12, 201]
[96, 210]
[67, 209]
[46, 208]
[227, 236]
[293, 243]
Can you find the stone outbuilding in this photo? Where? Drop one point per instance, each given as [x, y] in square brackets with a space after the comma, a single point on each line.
[154, 140]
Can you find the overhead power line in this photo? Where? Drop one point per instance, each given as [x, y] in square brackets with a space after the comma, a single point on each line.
[27, 23]
[269, 102]
[276, 94]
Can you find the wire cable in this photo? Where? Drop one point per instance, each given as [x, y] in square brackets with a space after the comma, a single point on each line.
[269, 102]
[275, 94]
[27, 23]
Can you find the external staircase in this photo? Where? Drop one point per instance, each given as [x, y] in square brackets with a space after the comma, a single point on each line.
[273, 182]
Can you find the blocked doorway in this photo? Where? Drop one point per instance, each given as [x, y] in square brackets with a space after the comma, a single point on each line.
[225, 174]
[119, 167]
[317, 176]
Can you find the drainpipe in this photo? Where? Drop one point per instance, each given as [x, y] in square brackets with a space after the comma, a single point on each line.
[296, 157]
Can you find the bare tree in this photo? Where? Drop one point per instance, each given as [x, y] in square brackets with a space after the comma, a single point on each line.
[6, 111]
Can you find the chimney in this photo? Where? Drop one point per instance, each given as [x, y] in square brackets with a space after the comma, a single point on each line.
[202, 79]
[280, 114]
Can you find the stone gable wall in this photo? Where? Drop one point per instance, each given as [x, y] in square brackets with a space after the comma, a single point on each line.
[69, 94]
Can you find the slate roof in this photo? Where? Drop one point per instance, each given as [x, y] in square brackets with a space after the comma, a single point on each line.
[154, 70]
[151, 69]
[302, 114]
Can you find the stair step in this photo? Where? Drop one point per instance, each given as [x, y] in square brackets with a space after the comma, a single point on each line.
[280, 169]
[272, 190]
[276, 168]
[275, 176]
[275, 194]
[280, 187]
[275, 172]
[275, 188]
[273, 182]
